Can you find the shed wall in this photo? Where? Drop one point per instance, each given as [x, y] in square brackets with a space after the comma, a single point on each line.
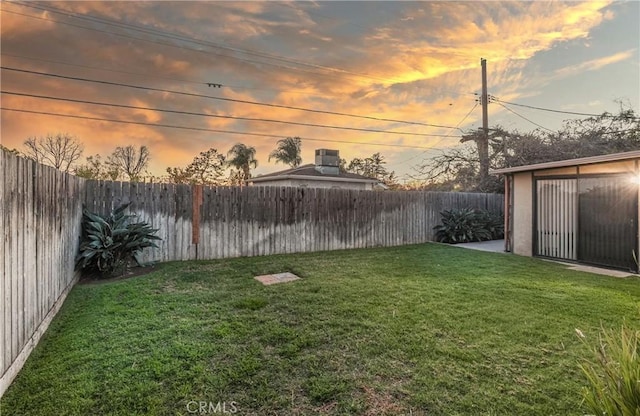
[524, 197]
[523, 213]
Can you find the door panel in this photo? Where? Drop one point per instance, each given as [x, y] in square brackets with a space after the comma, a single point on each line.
[556, 218]
[608, 214]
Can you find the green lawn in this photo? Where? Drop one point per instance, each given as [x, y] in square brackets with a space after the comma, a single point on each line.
[423, 330]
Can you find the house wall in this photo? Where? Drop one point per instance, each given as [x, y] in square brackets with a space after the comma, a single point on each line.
[523, 214]
[305, 183]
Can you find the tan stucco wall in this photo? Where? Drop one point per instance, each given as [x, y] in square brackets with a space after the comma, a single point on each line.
[523, 214]
[316, 184]
[611, 167]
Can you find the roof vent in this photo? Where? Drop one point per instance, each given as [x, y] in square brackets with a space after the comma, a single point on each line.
[327, 161]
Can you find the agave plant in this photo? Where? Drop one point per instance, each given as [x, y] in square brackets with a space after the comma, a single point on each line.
[110, 243]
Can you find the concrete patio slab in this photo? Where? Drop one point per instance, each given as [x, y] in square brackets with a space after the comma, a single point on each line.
[495, 246]
[597, 270]
[272, 279]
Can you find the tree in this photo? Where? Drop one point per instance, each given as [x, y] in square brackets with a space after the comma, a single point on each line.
[93, 169]
[11, 151]
[205, 169]
[481, 139]
[96, 169]
[459, 168]
[371, 167]
[129, 161]
[288, 152]
[59, 150]
[241, 158]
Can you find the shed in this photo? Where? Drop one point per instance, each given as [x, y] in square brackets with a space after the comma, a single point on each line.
[325, 173]
[579, 210]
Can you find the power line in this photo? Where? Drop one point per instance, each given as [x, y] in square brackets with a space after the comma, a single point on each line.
[166, 44]
[449, 135]
[174, 36]
[164, 33]
[119, 71]
[554, 111]
[169, 35]
[147, 75]
[464, 118]
[221, 98]
[524, 118]
[190, 113]
[202, 129]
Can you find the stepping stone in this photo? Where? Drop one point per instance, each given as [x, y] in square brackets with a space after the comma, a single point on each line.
[272, 279]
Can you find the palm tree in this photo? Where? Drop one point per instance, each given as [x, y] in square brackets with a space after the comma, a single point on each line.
[288, 152]
[242, 158]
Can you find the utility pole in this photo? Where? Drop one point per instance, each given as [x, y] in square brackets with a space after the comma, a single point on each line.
[485, 99]
[483, 142]
[482, 137]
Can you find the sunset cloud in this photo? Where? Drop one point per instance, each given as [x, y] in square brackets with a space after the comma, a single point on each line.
[413, 61]
[594, 64]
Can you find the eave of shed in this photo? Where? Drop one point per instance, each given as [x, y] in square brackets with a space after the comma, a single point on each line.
[614, 157]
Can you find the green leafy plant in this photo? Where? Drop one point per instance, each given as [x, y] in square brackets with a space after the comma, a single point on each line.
[492, 222]
[466, 225]
[110, 243]
[613, 373]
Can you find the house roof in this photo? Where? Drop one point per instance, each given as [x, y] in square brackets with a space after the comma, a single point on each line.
[309, 172]
[614, 157]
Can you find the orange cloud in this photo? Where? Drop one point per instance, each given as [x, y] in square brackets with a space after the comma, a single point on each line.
[421, 64]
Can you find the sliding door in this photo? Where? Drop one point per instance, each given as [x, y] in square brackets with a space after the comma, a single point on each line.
[556, 218]
[608, 215]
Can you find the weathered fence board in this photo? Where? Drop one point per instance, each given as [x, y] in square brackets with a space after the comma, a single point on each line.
[39, 228]
[249, 221]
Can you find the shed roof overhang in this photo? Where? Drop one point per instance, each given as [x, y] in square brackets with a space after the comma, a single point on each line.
[614, 157]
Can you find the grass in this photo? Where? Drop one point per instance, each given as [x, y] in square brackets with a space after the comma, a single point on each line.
[423, 330]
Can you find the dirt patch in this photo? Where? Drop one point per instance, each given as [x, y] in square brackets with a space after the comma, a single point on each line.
[95, 279]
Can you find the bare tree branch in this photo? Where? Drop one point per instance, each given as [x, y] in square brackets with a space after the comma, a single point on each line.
[60, 150]
[130, 161]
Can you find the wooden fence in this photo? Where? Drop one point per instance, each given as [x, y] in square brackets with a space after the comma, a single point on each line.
[218, 222]
[42, 210]
[39, 227]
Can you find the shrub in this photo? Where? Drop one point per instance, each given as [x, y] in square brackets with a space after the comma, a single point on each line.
[492, 222]
[466, 225]
[613, 373]
[110, 243]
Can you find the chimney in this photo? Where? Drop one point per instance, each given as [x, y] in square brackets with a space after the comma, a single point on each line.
[328, 162]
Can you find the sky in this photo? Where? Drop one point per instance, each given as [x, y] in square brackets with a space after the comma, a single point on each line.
[398, 78]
